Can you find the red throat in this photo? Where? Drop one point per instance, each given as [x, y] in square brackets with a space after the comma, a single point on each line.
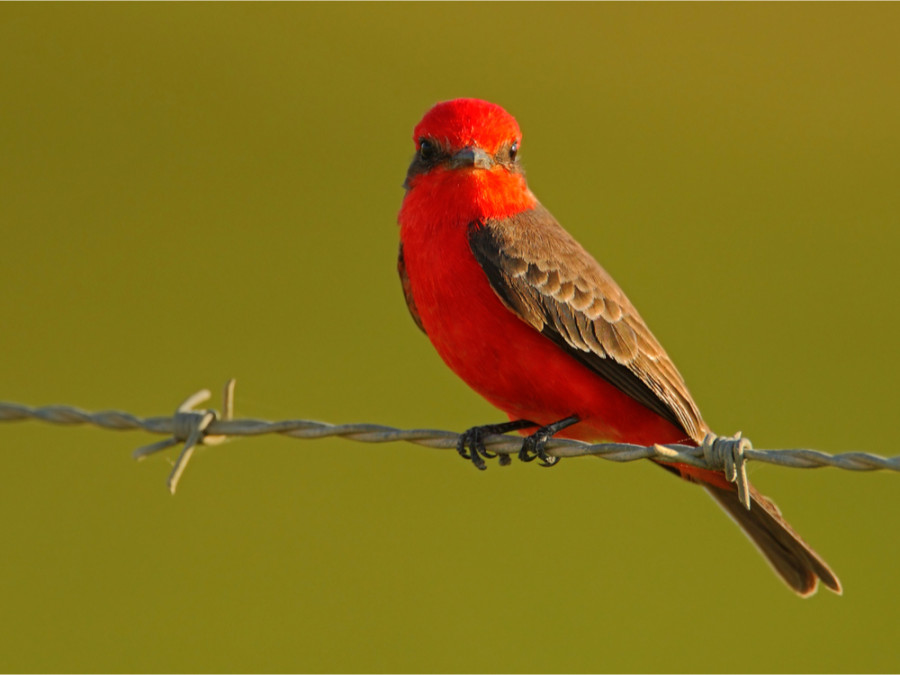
[463, 196]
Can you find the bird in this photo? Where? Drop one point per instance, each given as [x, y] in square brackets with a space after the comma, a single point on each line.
[523, 314]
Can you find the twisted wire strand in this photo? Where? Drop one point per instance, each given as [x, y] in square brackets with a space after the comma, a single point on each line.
[204, 427]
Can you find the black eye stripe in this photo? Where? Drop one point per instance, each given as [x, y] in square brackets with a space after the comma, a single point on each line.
[427, 148]
[431, 153]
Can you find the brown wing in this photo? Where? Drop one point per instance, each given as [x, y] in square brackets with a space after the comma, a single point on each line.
[543, 275]
[407, 290]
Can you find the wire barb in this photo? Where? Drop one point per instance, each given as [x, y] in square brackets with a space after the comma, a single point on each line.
[191, 428]
[206, 427]
[728, 454]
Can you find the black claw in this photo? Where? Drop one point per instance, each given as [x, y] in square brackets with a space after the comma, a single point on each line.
[527, 452]
[470, 444]
[471, 439]
[535, 445]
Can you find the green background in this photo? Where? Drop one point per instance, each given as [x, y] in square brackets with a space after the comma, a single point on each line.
[194, 192]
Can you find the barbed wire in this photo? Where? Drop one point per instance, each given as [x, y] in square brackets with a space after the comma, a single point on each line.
[207, 427]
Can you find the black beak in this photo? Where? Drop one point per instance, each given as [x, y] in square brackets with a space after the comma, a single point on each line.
[471, 157]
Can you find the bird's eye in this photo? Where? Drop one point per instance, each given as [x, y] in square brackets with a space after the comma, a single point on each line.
[426, 149]
[513, 151]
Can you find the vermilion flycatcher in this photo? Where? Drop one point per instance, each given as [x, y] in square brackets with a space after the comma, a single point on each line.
[522, 313]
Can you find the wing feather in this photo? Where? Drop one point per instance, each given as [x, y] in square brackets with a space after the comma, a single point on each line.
[544, 276]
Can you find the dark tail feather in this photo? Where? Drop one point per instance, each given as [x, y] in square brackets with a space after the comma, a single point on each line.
[792, 558]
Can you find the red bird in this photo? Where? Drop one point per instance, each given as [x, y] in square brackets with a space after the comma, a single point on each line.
[528, 319]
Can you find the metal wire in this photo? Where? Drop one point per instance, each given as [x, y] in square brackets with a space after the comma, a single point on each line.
[206, 427]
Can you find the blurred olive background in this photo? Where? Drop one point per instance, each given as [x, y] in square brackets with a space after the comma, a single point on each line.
[194, 192]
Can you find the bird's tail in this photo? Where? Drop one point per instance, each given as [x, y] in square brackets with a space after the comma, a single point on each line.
[798, 565]
[793, 559]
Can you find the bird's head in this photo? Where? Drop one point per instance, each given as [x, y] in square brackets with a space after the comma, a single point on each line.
[466, 136]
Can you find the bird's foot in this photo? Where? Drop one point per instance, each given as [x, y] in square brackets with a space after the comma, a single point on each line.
[535, 445]
[471, 442]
